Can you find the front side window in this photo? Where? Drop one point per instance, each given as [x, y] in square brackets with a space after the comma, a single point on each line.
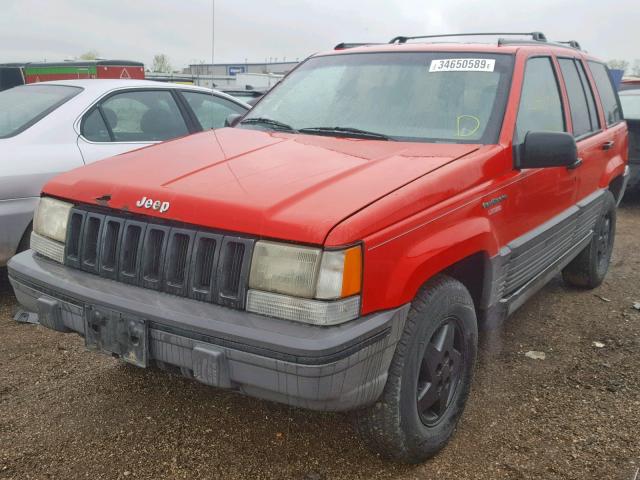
[448, 97]
[136, 116]
[608, 96]
[21, 107]
[210, 110]
[540, 101]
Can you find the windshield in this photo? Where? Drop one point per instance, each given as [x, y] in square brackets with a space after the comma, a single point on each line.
[21, 107]
[630, 100]
[411, 96]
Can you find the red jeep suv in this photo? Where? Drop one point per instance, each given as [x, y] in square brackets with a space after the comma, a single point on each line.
[338, 248]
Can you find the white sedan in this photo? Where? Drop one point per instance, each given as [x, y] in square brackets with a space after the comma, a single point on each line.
[51, 127]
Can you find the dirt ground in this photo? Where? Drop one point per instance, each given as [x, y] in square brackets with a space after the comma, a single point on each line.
[66, 413]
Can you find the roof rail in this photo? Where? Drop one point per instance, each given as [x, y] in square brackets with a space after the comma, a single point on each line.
[536, 36]
[569, 44]
[346, 45]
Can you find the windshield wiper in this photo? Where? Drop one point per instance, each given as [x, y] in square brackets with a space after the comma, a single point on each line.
[345, 132]
[270, 122]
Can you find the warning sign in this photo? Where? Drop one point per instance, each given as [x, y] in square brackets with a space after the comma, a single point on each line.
[125, 74]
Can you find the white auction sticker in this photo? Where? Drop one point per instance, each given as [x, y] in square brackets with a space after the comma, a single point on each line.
[463, 65]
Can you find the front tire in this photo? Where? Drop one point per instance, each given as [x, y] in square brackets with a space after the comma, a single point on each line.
[429, 377]
[591, 265]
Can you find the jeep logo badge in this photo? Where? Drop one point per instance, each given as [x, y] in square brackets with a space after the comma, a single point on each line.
[145, 202]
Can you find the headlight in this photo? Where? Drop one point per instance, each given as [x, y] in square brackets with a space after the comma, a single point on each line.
[50, 228]
[311, 285]
[288, 269]
[51, 217]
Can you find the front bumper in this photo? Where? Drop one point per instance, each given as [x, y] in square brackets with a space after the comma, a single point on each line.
[321, 368]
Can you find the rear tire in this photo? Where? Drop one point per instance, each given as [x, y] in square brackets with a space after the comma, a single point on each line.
[590, 267]
[429, 377]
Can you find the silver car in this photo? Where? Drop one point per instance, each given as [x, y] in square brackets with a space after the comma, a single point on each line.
[51, 127]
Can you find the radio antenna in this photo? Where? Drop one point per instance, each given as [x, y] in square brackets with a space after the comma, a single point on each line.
[213, 40]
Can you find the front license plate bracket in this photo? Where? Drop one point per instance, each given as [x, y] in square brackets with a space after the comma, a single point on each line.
[114, 333]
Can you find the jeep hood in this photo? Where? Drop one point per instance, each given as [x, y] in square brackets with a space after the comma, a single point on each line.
[274, 185]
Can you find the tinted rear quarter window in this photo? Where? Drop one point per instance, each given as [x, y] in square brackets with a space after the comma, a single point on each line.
[21, 107]
[608, 96]
[94, 128]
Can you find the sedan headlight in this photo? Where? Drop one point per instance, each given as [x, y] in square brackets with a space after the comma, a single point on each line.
[305, 284]
[50, 228]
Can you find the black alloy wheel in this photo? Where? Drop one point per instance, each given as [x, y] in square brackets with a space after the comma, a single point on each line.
[589, 268]
[603, 242]
[440, 372]
[429, 376]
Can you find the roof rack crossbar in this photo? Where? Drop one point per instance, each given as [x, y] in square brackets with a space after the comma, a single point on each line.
[537, 36]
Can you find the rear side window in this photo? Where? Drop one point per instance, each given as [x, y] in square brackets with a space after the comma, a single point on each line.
[136, 116]
[540, 102]
[608, 96]
[211, 110]
[22, 107]
[591, 100]
[583, 114]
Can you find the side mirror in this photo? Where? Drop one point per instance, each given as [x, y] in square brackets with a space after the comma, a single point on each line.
[548, 149]
[232, 120]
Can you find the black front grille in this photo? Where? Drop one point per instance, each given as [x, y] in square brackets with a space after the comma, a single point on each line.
[184, 261]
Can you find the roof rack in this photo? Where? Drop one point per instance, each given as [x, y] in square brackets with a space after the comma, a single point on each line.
[536, 36]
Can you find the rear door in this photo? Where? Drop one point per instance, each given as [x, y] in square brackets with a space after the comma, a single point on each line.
[592, 139]
[605, 145]
[130, 119]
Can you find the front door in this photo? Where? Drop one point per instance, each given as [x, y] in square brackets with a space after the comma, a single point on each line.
[538, 194]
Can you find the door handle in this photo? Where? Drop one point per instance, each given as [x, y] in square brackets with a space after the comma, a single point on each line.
[608, 145]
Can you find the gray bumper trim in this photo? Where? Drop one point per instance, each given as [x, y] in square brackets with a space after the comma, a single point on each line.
[321, 368]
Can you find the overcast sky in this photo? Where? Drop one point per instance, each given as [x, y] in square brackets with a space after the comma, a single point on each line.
[33, 30]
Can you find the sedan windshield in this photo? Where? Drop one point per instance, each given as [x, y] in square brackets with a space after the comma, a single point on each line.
[630, 100]
[410, 96]
[21, 107]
